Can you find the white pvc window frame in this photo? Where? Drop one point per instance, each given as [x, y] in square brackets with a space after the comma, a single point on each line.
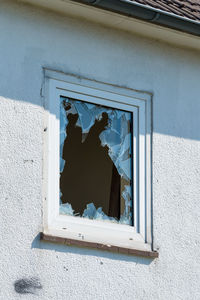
[138, 236]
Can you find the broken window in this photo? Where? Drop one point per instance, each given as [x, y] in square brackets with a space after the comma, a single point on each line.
[96, 164]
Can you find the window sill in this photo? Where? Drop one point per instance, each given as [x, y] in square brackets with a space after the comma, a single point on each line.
[110, 248]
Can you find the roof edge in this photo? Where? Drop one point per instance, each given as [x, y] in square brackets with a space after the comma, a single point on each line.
[146, 13]
[163, 12]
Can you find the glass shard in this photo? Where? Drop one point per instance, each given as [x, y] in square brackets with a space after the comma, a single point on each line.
[95, 161]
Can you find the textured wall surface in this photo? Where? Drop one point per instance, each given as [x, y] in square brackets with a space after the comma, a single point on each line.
[31, 39]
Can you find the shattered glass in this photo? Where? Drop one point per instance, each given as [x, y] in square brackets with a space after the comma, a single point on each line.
[95, 162]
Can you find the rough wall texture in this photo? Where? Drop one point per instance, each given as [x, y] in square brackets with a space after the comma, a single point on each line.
[31, 39]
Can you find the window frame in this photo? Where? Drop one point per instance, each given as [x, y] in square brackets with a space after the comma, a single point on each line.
[138, 236]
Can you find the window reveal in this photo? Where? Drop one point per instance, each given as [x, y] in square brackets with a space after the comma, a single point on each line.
[96, 161]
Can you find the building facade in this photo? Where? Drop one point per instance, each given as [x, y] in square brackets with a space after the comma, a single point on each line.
[120, 52]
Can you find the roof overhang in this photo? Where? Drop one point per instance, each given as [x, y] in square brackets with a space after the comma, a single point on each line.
[124, 15]
[147, 13]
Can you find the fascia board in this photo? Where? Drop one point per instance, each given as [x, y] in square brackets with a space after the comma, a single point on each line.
[120, 22]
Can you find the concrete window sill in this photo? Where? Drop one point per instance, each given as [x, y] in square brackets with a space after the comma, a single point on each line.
[110, 248]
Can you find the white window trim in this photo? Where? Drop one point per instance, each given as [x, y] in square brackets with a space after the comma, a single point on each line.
[138, 237]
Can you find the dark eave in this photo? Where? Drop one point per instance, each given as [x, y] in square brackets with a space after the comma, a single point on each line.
[146, 13]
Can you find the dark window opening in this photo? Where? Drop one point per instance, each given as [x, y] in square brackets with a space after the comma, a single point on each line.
[96, 161]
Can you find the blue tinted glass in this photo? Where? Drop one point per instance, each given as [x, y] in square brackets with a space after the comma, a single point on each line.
[95, 161]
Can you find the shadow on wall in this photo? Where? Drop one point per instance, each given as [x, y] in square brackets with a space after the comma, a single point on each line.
[175, 117]
[38, 244]
[184, 129]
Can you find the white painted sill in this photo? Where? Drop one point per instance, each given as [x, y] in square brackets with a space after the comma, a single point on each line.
[98, 246]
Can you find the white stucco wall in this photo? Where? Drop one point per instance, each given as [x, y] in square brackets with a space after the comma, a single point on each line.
[31, 39]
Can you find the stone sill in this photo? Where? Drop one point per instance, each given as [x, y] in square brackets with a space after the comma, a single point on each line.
[110, 248]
